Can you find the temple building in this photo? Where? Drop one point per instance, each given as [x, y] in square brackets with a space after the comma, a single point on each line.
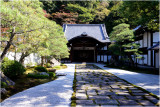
[87, 42]
[149, 45]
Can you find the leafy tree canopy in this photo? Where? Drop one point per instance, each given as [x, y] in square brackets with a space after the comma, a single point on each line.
[77, 11]
[123, 39]
[27, 27]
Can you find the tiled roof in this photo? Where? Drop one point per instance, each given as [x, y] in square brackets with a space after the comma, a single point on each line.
[96, 31]
[156, 46]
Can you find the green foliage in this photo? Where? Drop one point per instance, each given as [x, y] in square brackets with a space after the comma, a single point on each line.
[12, 69]
[77, 11]
[51, 74]
[37, 76]
[3, 85]
[124, 41]
[145, 13]
[41, 69]
[31, 31]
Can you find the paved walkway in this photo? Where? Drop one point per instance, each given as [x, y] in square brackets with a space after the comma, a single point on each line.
[94, 87]
[55, 93]
[147, 81]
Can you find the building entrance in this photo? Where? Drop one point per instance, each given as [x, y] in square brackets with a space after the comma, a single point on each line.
[83, 56]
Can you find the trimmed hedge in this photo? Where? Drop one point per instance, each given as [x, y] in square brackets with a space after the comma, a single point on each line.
[51, 74]
[41, 69]
[12, 69]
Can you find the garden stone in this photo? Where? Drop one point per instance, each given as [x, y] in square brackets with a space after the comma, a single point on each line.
[106, 101]
[3, 90]
[84, 102]
[81, 96]
[145, 103]
[99, 97]
[91, 92]
[153, 99]
[43, 73]
[127, 102]
[116, 97]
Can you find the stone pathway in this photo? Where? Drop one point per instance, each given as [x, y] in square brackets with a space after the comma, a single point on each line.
[93, 86]
[149, 82]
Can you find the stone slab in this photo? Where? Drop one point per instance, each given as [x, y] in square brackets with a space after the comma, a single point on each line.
[106, 101]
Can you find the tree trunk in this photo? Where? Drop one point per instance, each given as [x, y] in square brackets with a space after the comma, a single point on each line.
[8, 44]
[42, 60]
[23, 56]
[131, 60]
[15, 54]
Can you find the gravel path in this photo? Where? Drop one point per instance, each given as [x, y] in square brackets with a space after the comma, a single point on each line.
[147, 81]
[55, 93]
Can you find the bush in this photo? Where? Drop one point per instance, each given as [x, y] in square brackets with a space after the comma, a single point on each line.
[12, 69]
[3, 85]
[51, 74]
[41, 69]
[37, 76]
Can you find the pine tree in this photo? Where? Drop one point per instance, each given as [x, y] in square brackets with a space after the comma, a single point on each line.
[123, 44]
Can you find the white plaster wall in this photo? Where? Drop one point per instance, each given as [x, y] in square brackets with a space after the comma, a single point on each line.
[101, 57]
[105, 58]
[149, 39]
[140, 61]
[157, 60]
[140, 42]
[156, 37]
[145, 59]
[145, 39]
[109, 58]
[32, 58]
[105, 47]
[149, 58]
[153, 57]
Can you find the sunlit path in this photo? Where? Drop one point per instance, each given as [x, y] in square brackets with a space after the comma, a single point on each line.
[147, 81]
[55, 93]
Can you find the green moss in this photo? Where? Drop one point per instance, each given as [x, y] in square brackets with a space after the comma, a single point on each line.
[73, 98]
[130, 83]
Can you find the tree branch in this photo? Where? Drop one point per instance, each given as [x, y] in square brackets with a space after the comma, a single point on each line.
[28, 31]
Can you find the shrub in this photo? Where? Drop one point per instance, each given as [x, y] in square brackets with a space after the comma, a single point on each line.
[37, 76]
[41, 69]
[51, 74]
[12, 69]
[3, 85]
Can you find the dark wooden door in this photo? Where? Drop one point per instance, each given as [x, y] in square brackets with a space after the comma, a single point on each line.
[83, 56]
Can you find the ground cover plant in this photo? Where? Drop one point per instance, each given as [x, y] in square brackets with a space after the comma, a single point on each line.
[32, 76]
[22, 84]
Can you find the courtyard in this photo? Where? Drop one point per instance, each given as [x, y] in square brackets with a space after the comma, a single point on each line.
[84, 85]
